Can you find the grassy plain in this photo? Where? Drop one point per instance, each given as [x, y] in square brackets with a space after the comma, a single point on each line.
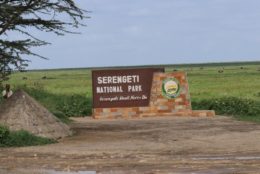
[63, 90]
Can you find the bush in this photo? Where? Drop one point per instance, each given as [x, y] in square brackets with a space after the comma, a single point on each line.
[24, 138]
[62, 117]
[230, 106]
[20, 138]
[62, 106]
[1, 89]
[4, 133]
[74, 105]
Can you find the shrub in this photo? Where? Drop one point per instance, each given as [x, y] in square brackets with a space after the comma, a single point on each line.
[62, 117]
[74, 105]
[257, 94]
[20, 138]
[60, 105]
[230, 106]
[24, 138]
[4, 133]
[1, 89]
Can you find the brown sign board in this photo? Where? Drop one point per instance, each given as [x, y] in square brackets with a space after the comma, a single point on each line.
[122, 87]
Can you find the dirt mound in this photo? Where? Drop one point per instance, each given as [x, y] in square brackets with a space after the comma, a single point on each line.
[23, 112]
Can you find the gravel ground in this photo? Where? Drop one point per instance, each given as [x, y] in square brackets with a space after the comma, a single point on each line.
[151, 145]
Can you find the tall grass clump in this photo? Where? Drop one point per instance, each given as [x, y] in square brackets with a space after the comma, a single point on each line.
[61, 105]
[245, 109]
[1, 89]
[20, 138]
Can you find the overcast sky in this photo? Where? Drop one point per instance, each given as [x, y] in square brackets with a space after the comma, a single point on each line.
[144, 32]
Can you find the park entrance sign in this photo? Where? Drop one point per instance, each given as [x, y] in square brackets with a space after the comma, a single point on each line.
[141, 92]
[122, 88]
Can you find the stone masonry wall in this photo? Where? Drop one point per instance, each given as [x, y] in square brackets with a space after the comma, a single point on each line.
[159, 105]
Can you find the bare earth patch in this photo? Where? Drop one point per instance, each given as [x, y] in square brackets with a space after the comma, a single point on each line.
[22, 112]
[151, 145]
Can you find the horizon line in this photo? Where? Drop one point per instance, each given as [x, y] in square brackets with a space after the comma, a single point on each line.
[154, 65]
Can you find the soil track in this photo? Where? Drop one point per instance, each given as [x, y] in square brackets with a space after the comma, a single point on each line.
[152, 145]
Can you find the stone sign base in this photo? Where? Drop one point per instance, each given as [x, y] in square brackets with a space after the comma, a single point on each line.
[159, 104]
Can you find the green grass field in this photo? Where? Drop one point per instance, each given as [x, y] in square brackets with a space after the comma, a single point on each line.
[68, 91]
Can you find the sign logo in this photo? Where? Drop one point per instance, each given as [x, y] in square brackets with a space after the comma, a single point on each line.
[171, 88]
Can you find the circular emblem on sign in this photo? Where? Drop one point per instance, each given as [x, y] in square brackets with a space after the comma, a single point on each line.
[171, 88]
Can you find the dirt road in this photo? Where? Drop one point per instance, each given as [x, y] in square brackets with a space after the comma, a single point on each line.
[153, 145]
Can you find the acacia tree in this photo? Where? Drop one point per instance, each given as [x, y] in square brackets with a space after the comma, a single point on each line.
[21, 16]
